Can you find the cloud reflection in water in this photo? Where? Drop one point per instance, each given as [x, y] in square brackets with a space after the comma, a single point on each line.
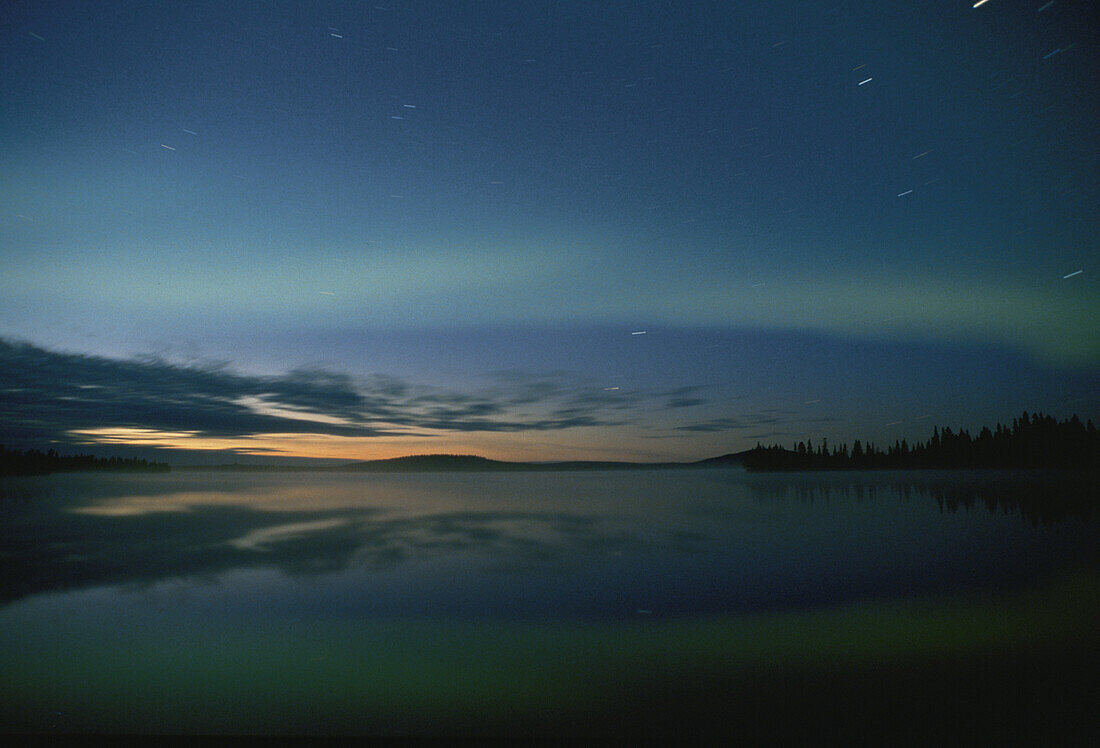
[527, 545]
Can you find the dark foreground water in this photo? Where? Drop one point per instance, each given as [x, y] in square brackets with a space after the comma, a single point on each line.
[648, 603]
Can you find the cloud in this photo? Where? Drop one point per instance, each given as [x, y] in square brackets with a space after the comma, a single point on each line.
[684, 402]
[49, 395]
[766, 417]
[735, 423]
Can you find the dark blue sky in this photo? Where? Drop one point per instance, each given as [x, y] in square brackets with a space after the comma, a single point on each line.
[848, 220]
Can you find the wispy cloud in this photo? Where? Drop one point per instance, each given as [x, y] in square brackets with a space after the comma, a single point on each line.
[733, 423]
[50, 395]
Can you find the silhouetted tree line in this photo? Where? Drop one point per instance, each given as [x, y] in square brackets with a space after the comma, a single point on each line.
[1032, 441]
[36, 462]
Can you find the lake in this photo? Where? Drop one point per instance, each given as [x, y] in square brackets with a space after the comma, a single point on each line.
[656, 603]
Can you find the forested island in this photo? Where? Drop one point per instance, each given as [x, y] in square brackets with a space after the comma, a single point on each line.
[36, 462]
[1033, 441]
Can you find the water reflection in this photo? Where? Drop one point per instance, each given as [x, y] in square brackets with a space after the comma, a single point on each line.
[1039, 498]
[599, 544]
[60, 551]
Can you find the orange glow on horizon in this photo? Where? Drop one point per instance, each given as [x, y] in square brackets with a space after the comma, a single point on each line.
[314, 446]
[581, 444]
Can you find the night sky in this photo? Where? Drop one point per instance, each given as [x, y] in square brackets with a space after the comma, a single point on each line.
[542, 230]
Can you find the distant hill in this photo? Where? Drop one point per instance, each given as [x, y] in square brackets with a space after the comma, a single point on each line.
[472, 463]
[733, 459]
[430, 463]
[13, 462]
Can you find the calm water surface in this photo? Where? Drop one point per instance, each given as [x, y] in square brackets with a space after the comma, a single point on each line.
[355, 602]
